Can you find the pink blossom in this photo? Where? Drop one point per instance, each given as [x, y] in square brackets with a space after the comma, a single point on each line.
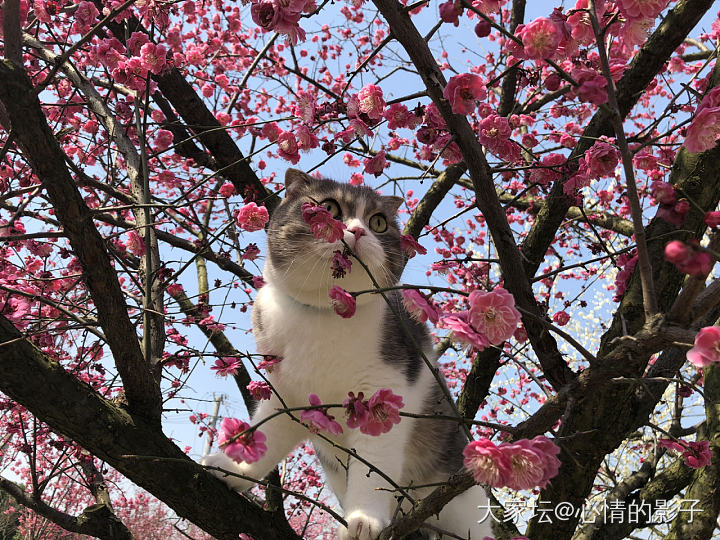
[551, 166]
[306, 139]
[356, 409]
[410, 246]
[154, 57]
[265, 14]
[251, 252]
[371, 101]
[541, 38]
[601, 159]
[305, 106]
[340, 264]
[376, 164]
[136, 41]
[548, 451]
[163, 139]
[487, 463]
[271, 131]
[526, 466]
[319, 419]
[712, 219]
[135, 244]
[483, 28]
[561, 318]
[259, 390]
[688, 261]
[86, 14]
[288, 147]
[226, 365]
[449, 13]
[647, 9]
[459, 325]
[494, 133]
[707, 347]
[343, 302]
[322, 224]
[383, 409]
[704, 130]
[462, 91]
[252, 217]
[399, 116]
[227, 190]
[663, 192]
[418, 306]
[493, 314]
[248, 447]
[698, 454]
[269, 363]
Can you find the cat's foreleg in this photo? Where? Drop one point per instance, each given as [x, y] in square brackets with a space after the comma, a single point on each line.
[283, 435]
[370, 501]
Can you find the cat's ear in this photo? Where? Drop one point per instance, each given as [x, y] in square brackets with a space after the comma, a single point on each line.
[392, 203]
[294, 179]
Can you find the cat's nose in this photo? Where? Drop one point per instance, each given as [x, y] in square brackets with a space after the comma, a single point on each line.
[358, 232]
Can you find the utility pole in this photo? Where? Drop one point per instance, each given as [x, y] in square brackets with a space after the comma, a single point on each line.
[212, 423]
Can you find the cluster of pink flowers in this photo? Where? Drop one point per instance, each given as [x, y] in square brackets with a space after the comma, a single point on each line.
[340, 264]
[524, 464]
[706, 350]
[252, 217]
[671, 210]
[376, 415]
[282, 17]
[494, 134]
[319, 419]
[399, 116]
[419, 306]
[704, 130]
[688, 260]
[462, 91]
[342, 301]
[376, 164]
[288, 147]
[491, 319]
[627, 263]
[226, 365]
[322, 224]
[697, 454]
[240, 442]
[259, 390]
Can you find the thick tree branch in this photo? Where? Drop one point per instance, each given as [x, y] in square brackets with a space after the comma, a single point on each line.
[48, 162]
[128, 442]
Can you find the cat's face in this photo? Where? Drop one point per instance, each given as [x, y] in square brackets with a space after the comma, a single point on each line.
[301, 264]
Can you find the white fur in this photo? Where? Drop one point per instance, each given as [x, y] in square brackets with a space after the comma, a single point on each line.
[328, 355]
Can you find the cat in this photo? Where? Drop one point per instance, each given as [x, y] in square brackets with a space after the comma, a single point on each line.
[328, 355]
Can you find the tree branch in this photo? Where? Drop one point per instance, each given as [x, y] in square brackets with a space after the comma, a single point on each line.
[48, 162]
[128, 442]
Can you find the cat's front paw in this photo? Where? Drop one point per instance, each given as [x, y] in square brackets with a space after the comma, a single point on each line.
[361, 526]
[222, 461]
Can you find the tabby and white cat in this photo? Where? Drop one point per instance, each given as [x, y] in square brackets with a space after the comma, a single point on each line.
[330, 356]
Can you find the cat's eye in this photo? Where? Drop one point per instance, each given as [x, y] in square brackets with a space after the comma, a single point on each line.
[331, 206]
[378, 223]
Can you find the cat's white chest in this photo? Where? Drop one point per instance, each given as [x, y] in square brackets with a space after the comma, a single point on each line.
[322, 353]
